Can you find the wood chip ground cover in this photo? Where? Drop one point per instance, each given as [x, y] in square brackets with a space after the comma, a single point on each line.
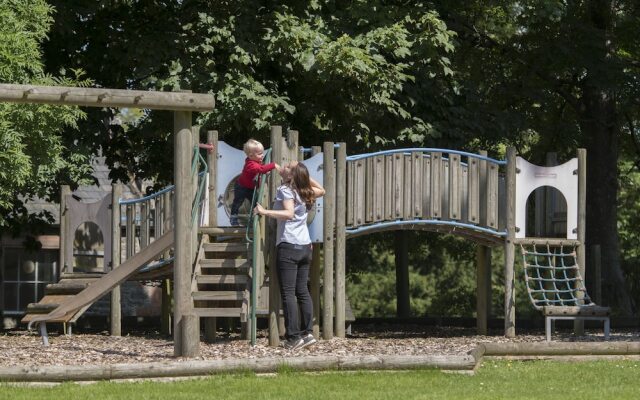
[21, 348]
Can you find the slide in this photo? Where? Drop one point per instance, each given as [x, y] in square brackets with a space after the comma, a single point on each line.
[103, 285]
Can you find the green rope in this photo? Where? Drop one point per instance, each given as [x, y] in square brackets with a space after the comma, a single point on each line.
[552, 276]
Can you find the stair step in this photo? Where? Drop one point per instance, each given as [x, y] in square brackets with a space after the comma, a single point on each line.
[223, 231]
[240, 263]
[220, 295]
[38, 308]
[223, 279]
[81, 275]
[218, 312]
[233, 247]
[65, 288]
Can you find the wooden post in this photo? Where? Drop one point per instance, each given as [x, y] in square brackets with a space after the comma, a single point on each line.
[167, 304]
[578, 326]
[340, 246]
[65, 265]
[116, 311]
[328, 226]
[183, 151]
[597, 273]
[211, 323]
[509, 248]
[483, 291]
[403, 303]
[315, 274]
[274, 286]
[483, 192]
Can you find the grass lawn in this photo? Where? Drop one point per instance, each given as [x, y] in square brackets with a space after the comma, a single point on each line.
[494, 380]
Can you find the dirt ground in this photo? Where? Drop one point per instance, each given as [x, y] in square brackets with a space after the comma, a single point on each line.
[20, 348]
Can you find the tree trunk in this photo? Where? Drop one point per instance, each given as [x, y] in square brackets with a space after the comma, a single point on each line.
[599, 122]
[601, 129]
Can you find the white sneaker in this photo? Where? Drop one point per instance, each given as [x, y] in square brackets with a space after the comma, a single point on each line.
[307, 340]
[293, 344]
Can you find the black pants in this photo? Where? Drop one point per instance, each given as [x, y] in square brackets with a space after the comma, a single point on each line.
[293, 262]
[240, 194]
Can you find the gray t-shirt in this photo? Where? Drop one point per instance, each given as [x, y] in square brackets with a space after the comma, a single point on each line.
[295, 230]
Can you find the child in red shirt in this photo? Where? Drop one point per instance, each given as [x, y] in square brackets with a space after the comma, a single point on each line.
[246, 183]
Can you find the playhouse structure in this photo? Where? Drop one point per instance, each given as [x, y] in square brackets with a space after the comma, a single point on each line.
[183, 232]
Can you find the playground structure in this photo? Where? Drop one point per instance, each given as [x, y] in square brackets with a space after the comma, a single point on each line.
[449, 191]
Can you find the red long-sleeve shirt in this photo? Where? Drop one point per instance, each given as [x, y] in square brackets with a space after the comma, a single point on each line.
[250, 170]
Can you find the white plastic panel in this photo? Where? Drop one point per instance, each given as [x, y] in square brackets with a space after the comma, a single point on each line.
[530, 177]
[230, 163]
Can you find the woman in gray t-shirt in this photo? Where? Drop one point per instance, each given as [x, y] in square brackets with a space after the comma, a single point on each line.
[294, 199]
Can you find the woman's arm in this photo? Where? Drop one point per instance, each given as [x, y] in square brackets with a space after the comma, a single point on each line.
[318, 190]
[284, 214]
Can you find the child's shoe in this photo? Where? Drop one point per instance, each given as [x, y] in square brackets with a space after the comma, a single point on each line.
[233, 220]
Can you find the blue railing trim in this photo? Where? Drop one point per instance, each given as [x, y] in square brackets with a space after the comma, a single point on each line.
[123, 202]
[378, 225]
[156, 265]
[169, 188]
[427, 149]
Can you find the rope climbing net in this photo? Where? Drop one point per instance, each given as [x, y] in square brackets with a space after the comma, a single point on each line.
[553, 276]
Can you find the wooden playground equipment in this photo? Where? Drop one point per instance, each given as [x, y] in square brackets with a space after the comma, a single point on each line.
[219, 271]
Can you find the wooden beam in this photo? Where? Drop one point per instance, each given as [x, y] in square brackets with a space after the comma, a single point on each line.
[97, 97]
[509, 248]
[270, 240]
[182, 214]
[340, 242]
[328, 228]
[559, 348]
[65, 265]
[403, 299]
[483, 289]
[191, 368]
[581, 233]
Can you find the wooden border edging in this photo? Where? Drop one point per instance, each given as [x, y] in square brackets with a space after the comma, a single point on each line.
[556, 349]
[60, 373]
[187, 368]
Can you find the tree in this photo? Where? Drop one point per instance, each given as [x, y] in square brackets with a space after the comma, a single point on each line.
[330, 69]
[34, 157]
[555, 75]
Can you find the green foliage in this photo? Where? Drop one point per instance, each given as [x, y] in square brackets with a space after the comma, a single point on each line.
[320, 68]
[442, 277]
[34, 157]
[543, 76]
[628, 224]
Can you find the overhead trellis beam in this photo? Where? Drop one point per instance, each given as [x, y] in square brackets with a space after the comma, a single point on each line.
[97, 97]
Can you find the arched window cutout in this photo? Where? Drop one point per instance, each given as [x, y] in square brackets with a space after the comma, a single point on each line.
[546, 213]
[88, 248]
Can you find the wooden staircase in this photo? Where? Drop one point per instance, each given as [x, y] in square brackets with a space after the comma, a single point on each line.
[69, 285]
[222, 276]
